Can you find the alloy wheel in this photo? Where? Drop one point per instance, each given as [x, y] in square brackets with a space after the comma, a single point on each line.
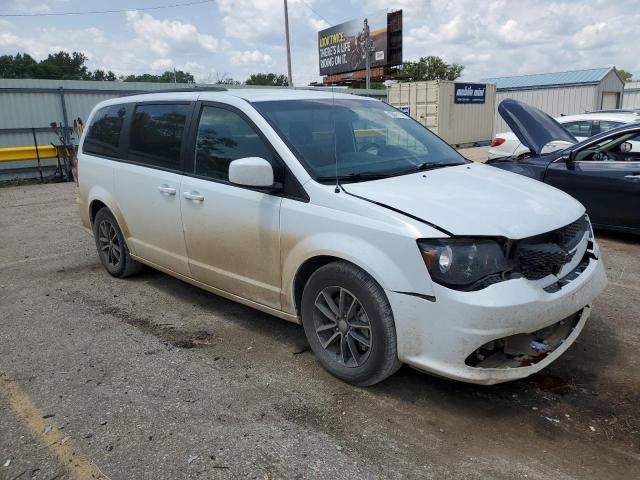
[342, 326]
[110, 247]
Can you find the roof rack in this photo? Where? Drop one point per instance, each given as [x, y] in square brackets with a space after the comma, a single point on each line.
[175, 90]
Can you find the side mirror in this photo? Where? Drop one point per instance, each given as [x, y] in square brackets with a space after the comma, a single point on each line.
[626, 147]
[251, 172]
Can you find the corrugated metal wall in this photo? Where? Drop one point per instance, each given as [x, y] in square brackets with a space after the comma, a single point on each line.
[554, 101]
[31, 103]
[28, 103]
[463, 123]
[611, 83]
[432, 104]
[631, 95]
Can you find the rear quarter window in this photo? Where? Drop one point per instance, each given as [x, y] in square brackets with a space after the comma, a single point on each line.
[103, 137]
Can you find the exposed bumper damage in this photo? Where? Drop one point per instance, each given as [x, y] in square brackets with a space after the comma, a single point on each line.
[523, 349]
[507, 331]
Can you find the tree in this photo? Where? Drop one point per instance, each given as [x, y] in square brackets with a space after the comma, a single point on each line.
[170, 76]
[430, 68]
[271, 79]
[20, 66]
[624, 75]
[63, 66]
[72, 66]
[101, 75]
[224, 80]
[58, 66]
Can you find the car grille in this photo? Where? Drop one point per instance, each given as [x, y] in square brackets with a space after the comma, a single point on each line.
[546, 254]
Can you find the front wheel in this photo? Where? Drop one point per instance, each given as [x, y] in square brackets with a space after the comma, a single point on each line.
[349, 324]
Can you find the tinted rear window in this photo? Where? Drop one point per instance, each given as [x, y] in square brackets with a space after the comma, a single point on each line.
[156, 135]
[103, 137]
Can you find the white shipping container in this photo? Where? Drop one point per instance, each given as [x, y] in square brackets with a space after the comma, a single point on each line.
[433, 104]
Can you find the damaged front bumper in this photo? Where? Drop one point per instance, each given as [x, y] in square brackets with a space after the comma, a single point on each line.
[506, 331]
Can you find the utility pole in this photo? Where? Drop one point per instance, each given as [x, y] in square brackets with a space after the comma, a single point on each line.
[286, 31]
[368, 82]
[369, 50]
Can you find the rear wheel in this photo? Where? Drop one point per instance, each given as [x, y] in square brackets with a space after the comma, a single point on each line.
[349, 324]
[112, 248]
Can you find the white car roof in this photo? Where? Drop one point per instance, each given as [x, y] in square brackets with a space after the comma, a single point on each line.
[264, 94]
[624, 117]
[248, 94]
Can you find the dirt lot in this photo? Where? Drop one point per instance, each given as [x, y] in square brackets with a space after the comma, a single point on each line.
[152, 378]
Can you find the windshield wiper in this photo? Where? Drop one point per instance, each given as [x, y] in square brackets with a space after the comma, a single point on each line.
[378, 175]
[424, 166]
[357, 176]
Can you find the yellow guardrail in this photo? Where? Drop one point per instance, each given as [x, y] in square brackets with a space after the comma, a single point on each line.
[15, 154]
[369, 132]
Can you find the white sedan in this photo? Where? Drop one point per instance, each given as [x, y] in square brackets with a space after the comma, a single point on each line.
[581, 126]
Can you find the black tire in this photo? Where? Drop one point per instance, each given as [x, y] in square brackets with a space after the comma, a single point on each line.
[110, 241]
[367, 366]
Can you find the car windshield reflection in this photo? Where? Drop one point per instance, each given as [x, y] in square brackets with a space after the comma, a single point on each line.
[356, 140]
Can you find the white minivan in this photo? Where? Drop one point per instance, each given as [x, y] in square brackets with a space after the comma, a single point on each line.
[342, 214]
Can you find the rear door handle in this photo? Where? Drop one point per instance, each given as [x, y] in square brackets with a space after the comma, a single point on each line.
[167, 190]
[633, 176]
[194, 196]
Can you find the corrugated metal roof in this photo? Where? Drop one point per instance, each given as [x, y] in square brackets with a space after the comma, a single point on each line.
[575, 77]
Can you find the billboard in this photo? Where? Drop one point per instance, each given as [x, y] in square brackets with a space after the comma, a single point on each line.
[343, 48]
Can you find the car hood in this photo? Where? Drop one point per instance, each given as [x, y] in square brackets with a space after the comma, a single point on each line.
[534, 128]
[474, 199]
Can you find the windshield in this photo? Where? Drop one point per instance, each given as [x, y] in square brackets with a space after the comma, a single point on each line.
[367, 139]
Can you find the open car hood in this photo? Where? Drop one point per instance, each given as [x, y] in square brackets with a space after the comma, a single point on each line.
[534, 128]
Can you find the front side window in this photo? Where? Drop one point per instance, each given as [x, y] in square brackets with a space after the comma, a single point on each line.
[624, 147]
[357, 138]
[156, 134]
[224, 136]
[103, 137]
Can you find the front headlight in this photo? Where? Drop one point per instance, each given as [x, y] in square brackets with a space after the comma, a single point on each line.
[460, 263]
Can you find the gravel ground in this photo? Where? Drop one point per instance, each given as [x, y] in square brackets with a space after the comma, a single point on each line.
[152, 378]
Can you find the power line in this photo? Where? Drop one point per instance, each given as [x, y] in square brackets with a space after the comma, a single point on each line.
[311, 8]
[98, 12]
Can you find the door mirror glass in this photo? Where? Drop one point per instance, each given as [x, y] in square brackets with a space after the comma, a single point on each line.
[626, 147]
[251, 172]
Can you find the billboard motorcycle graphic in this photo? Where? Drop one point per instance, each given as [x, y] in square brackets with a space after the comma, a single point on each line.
[343, 48]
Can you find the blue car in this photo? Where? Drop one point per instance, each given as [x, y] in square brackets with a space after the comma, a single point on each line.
[602, 172]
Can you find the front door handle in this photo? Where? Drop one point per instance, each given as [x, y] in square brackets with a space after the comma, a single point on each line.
[167, 190]
[633, 176]
[194, 196]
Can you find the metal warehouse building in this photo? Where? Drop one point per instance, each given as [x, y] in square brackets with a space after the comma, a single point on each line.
[561, 93]
[29, 104]
[631, 95]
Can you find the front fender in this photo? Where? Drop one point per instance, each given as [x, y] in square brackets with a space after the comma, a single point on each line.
[399, 268]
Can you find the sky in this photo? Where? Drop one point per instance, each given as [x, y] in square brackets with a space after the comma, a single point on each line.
[234, 38]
